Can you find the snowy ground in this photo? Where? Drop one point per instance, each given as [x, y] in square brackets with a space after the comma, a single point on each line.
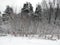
[11, 40]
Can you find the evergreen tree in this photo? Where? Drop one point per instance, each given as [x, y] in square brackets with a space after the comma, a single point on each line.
[27, 7]
[8, 10]
[38, 10]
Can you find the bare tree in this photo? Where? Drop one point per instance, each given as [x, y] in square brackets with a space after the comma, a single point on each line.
[56, 13]
[50, 11]
[45, 10]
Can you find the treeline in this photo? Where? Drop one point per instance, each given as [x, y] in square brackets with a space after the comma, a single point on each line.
[49, 11]
[33, 22]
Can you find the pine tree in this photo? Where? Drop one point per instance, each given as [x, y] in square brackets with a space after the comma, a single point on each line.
[38, 10]
[8, 10]
[27, 7]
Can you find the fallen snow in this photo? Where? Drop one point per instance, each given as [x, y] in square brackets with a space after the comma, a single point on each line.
[11, 40]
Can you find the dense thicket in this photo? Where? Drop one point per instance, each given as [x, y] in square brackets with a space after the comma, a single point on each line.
[30, 22]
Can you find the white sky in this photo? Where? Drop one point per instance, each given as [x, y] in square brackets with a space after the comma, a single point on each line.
[17, 4]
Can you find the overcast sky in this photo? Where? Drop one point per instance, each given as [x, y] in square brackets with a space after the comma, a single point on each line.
[17, 4]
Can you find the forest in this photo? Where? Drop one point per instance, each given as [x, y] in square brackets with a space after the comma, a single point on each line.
[44, 21]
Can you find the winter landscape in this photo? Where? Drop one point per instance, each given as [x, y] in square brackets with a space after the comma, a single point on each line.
[39, 25]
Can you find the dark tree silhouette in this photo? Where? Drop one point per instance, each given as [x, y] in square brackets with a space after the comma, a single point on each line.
[50, 11]
[56, 13]
[38, 11]
[8, 10]
[27, 7]
[7, 13]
